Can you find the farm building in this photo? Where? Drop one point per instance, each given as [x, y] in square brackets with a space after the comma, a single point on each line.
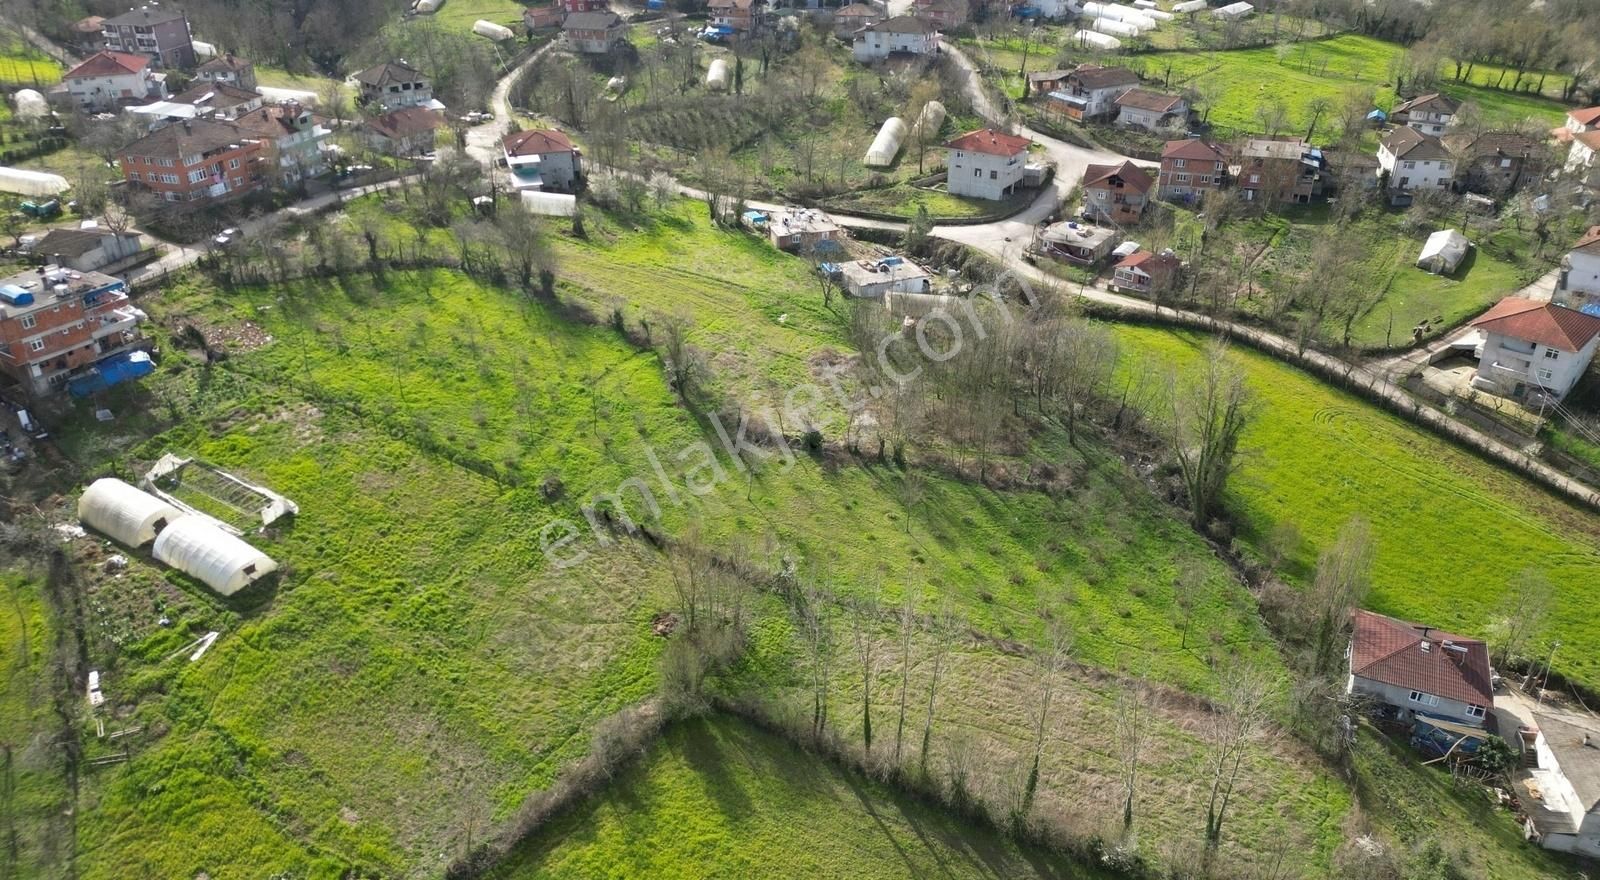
[1417, 670]
[198, 547]
[1443, 252]
[1534, 351]
[124, 513]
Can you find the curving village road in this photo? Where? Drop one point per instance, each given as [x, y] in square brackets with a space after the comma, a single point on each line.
[1006, 240]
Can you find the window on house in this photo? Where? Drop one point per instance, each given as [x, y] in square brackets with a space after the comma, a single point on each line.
[977, 172]
[36, 345]
[28, 321]
[1408, 165]
[1183, 178]
[1552, 354]
[1177, 163]
[233, 163]
[1474, 710]
[1545, 375]
[994, 175]
[1424, 699]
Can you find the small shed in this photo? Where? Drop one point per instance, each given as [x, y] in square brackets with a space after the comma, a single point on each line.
[1443, 252]
[124, 513]
[198, 547]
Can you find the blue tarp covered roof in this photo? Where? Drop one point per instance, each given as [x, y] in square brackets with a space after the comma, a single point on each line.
[112, 371]
[1378, 114]
[1591, 309]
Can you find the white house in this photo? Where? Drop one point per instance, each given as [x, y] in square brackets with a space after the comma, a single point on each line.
[542, 160]
[1561, 794]
[1534, 351]
[985, 164]
[874, 278]
[1430, 114]
[1418, 670]
[901, 35]
[1413, 161]
[1581, 155]
[1579, 282]
[1151, 111]
[107, 80]
[1580, 121]
[1091, 91]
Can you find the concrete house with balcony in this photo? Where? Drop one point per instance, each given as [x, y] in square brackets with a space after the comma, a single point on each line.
[1145, 272]
[1428, 114]
[592, 33]
[228, 68]
[409, 131]
[219, 100]
[1417, 670]
[1534, 351]
[1190, 169]
[393, 85]
[736, 15]
[941, 14]
[1578, 284]
[1414, 161]
[56, 323]
[1090, 92]
[108, 80]
[901, 35]
[1560, 789]
[162, 32]
[985, 164]
[542, 159]
[195, 160]
[1281, 170]
[1116, 193]
[293, 140]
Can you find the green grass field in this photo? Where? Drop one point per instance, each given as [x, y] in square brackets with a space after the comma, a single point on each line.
[718, 798]
[462, 14]
[1237, 82]
[21, 67]
[903, 200]
[33, 794]
[1451, 530]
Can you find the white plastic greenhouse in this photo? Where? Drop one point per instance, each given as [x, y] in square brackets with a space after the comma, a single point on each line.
[887, 144]
[549, 204]
[1097, 41]
[1116, 28]
[31, 183]
[428, 7]
[497, 32]
[124, 513]
[198, 547]
[717, 76]
[202, 49]
[30, 104]
[1190, 6]
[930, 120]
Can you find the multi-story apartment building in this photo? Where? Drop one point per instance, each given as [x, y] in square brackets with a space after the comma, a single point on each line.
[291, 138]
[56, 323]
[162, 32]
[1190, 169]
[194, 160]
[1430, 114]
[1414, 161]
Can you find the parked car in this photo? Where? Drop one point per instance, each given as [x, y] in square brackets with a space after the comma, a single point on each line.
[232, 233]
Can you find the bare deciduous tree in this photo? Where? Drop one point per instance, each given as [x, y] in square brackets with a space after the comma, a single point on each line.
[1133, 729]
[1239, 718]
[1207, 415]
[946, 628]
[1341, 582]
[1052, 663]
[908, 625]
[864, 637]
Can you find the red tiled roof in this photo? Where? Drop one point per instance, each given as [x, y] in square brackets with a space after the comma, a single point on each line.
[109, 64]
[1390, 651]
[991, 142]
[406, 122]
[1590, 242]
[1157, 261]
[1590, 139]
[1431, 101]
[1586, 116]
[1541, 322]
[1192, 148]
[537, 142]
[1133, 177]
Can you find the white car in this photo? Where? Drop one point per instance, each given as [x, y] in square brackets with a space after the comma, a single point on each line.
[230, 234]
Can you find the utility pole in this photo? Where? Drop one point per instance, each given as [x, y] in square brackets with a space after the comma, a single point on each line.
[1539, 699]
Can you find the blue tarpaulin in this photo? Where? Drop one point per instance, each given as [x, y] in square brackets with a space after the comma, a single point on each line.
[112, 371]
[1591, 309]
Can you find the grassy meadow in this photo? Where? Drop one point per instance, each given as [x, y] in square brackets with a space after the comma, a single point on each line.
[719, 798]
[23, 67]
[1451, 530]
[462, 14]
[1237, 82]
